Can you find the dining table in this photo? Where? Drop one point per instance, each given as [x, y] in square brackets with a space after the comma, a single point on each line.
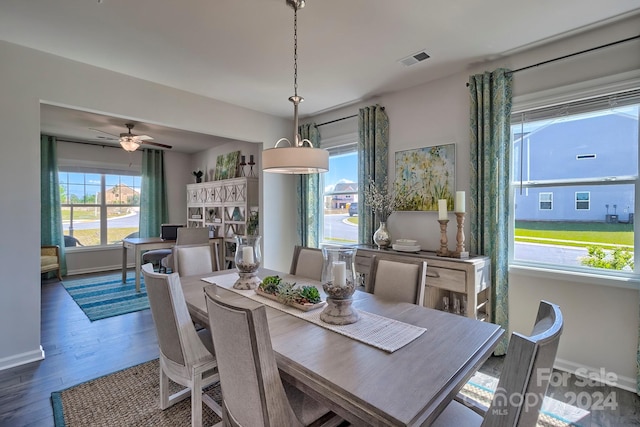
[362, 383]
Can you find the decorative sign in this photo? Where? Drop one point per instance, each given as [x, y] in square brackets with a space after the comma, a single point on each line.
[424, 176]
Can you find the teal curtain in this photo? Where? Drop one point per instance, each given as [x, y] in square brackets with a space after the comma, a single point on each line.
[309, 196]
[489, 211]
[154, 209]
[51, 231]
[373, 163]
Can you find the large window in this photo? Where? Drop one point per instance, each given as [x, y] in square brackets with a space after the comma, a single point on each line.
[340, 198]
[98, 208]
[575, 183]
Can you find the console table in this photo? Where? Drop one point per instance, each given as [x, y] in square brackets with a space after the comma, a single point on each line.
[446, 277]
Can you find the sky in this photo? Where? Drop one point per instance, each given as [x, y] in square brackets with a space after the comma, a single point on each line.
[342, 168]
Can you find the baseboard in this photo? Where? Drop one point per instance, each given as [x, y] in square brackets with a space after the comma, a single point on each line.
[21, 359]
[99, 269]
[599, 374]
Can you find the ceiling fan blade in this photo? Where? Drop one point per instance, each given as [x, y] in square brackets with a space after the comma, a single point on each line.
[156, 144]
[145, 138]
[98, 130]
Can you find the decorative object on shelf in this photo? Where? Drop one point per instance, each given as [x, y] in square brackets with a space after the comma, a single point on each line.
[243, 163]
[424, 175]
[460, 212]
[300, 157]
[253, 223]
[227, 165]
[251, 164]
[443, 251]
[381, 237]
[339, 283]
[198, 175]
[303, 298]
[248, 258]
[406, 245]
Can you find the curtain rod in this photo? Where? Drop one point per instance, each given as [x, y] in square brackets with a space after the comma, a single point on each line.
[98, 144]
[575, 54]
[337, 120]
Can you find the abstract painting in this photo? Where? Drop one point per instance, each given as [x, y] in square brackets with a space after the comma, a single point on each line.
[425, 175]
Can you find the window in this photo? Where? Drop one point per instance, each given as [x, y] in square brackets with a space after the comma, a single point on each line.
[546, 201]
[574, 181]
[98, 208]
[340, 197]
[582, 200]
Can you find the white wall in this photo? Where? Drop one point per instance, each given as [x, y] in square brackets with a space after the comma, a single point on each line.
[601, 322]
[28, 77]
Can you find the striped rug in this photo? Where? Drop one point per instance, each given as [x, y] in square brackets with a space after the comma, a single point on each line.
[106, 296]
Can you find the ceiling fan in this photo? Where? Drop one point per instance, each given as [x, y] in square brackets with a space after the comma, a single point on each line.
[130, 141]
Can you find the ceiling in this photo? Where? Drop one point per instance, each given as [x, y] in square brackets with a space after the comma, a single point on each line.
[241, 51]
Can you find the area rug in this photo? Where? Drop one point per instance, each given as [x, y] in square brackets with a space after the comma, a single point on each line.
[130, 398]
[106, 296]
[126, 398]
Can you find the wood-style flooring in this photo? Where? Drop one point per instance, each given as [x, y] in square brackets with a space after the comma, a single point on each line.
[77, 350]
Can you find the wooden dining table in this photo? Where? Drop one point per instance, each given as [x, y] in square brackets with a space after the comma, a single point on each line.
[363, 384]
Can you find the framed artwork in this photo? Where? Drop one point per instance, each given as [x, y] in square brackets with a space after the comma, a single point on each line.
[425, 175]
[227, 165]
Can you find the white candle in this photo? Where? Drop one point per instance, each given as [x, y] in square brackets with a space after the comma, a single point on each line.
[339, 273]
[247, 255]
[460, 201]
[442, 209]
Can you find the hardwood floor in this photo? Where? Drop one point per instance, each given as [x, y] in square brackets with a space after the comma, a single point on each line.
[77, 350]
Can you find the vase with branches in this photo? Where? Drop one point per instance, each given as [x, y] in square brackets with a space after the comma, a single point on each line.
[383, 203]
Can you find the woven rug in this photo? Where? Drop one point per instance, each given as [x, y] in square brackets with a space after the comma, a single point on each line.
[106, 296]
[126, 398]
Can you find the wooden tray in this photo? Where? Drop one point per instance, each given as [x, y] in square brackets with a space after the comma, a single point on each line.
[303, 307]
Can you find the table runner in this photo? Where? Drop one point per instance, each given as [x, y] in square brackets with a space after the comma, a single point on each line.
[377, 331]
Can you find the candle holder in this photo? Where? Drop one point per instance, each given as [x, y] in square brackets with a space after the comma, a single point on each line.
[444, 251]
[247, 259]
[251, 164]
[339, 283]
[243, 163]
[460, 250]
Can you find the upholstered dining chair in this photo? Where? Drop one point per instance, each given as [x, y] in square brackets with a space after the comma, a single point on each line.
[523, 381]
[186, 356]
[400, 281]
[253, 392]
[189, 260]
[185, 236]
[307, 262]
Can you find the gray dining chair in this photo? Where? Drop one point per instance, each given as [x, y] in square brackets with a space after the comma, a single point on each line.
[189, 260]
[185, 236]
[400, 281]
[253, 392]
[523, 381]
[307, 262]
[186, 356]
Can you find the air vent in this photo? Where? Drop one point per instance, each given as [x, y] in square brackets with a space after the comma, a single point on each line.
[415, 58]
[585, 156]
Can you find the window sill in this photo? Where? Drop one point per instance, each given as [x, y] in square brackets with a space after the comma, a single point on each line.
[625, 282]
[75, 249]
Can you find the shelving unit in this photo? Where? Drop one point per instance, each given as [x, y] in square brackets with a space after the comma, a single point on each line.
[224, 207]
[453, 278]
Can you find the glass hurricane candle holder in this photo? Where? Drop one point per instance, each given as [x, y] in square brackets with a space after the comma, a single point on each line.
[339, 283]
[248, 258]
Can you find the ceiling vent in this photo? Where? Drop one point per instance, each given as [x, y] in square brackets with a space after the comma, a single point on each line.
[415, 58]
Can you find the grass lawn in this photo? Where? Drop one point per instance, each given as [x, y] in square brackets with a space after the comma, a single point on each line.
[91, 237]
[575, 233]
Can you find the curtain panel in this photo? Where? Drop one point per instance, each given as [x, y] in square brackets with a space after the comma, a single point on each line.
[154, 209]
[309, 196]
[51, 230]
[373, 163]
[490, 112]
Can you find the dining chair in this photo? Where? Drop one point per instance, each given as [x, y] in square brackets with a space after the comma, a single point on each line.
[307, 262]
[185, 236]
[186, 356]
[523, 381]
[254, 394]
[190, 260]
[399, 281]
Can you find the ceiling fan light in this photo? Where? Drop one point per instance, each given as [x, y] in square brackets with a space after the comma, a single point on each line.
[129, 143]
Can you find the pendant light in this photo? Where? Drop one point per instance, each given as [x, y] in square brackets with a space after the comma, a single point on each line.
[299, 157]
[129, 141]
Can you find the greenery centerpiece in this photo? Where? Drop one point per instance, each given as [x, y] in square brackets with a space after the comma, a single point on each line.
[304, 297]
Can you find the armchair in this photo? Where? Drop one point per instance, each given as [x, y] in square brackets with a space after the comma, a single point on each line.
[50, 259]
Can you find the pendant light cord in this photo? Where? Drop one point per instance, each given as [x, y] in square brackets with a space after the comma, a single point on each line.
[295, 50]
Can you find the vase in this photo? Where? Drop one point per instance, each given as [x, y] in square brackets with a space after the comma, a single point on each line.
[339, 283]
[381, 237]
[247, 258]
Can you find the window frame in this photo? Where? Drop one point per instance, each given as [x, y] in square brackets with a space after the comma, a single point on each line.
[583, 90]
[102, 204]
